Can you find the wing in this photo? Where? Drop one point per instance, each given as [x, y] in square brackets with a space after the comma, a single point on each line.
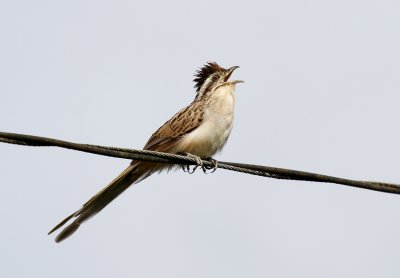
[183, 122]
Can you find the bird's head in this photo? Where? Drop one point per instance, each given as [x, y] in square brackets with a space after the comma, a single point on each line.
[211, 76]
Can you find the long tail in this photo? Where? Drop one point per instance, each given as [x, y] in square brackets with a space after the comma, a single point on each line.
[136, 172]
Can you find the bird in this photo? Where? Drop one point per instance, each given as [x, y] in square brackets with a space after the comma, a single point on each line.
[201, 129]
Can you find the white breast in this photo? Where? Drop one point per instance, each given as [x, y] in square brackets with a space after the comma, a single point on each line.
[214, 131]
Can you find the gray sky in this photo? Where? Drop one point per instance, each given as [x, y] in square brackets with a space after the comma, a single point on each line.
[321, 94]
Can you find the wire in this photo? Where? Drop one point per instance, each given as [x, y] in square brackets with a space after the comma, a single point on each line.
[258, 170]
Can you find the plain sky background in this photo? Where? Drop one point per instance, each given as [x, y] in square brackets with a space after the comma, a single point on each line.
[321, 94]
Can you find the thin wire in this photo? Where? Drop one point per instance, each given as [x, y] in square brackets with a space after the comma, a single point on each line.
[258, 170]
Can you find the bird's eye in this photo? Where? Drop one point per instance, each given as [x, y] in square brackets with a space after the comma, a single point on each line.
[215, 78]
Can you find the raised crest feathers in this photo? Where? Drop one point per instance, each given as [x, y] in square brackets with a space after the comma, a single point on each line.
[203, 73]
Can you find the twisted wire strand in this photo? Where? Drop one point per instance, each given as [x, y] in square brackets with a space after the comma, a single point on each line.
[258, 170]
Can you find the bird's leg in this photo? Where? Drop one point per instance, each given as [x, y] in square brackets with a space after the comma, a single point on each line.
[186, 168]
[213, 167]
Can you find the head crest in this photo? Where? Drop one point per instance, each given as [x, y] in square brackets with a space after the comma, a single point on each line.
[203, 73]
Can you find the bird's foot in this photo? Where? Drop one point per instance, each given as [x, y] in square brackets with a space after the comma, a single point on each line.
[186, 168]
[213, 167]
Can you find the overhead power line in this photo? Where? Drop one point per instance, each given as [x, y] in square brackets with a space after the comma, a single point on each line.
[259, 170]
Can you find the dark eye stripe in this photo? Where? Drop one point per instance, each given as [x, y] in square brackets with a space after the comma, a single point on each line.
[203, 73]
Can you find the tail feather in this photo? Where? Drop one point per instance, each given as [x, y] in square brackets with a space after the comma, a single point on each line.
[67, 231]
[136, 172]
[59, 225]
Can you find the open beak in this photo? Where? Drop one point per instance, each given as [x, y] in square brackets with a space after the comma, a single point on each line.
[229, 73]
